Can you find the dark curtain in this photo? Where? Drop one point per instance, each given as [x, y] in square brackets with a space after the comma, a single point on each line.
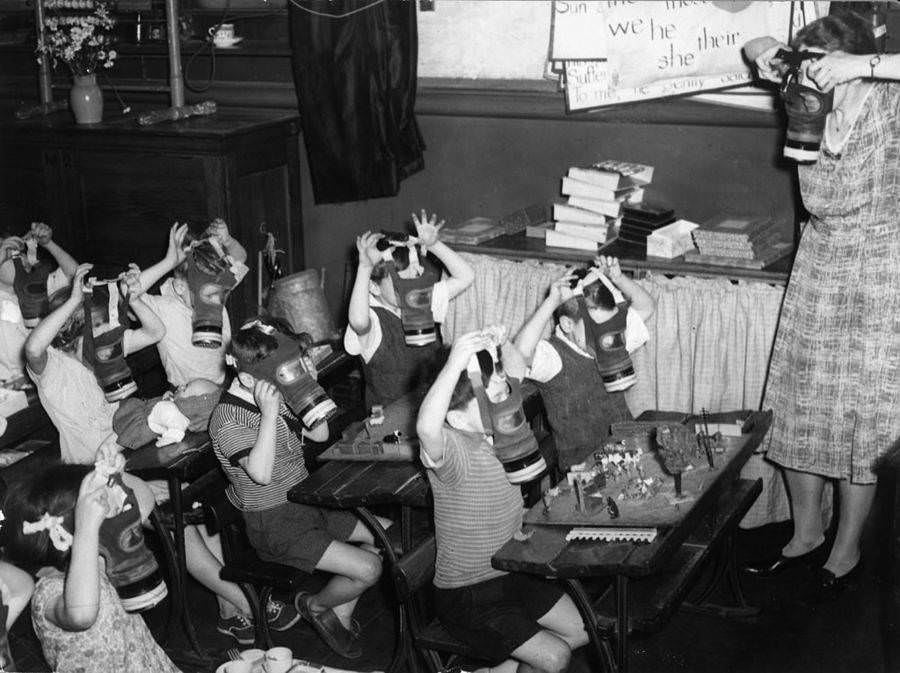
[356, 84]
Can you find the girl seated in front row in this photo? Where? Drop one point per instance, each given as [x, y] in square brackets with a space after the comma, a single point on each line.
[54, 529]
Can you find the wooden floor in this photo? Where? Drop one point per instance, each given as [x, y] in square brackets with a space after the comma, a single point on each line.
[856, 634]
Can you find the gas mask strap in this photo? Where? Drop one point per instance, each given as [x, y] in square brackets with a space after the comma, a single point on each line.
[473, 370]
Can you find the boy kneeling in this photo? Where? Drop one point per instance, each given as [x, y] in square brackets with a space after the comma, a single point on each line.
[528, 622]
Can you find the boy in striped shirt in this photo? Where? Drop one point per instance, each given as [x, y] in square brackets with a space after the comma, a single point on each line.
[259, 443]
[513, 618]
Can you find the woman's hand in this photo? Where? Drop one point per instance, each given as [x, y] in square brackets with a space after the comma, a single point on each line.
[268, 398]
[427, 229]
[837, 67]
[762, 52]
[465, 347]
[368, 253]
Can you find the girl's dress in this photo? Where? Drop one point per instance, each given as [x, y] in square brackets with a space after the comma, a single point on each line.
[834, 377]
[118, 642]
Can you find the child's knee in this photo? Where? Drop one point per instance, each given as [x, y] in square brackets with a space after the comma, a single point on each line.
[557, 658]
[371, 569]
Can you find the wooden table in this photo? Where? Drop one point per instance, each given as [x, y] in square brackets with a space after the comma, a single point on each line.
[177, 464]
[668, 565]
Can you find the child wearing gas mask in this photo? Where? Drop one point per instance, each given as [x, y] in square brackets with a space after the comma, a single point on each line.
[174, 305]
[583, 391]
[514, 618]
[258, 437]
[375, 328]
[14, 281]
[56, 527]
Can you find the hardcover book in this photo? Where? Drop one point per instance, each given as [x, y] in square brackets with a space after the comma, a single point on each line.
[519, 220]
[558, 239]
[599, 234]
[563, 212]
[610, 208]
[473, 231]
[573, 187]
[736, 227]
[641, 174]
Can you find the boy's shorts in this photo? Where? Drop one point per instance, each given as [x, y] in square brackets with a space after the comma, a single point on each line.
[497, 616]
[297, 535]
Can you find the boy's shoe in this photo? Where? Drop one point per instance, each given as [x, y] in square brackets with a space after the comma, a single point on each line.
[281, 616]
[329, 628]
[238, 627]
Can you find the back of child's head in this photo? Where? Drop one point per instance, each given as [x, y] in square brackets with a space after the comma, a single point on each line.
[463, 392]
[596, 295]
[53, 491]
[255, 341]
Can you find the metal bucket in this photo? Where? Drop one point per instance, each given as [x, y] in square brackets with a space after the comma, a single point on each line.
[299, 300]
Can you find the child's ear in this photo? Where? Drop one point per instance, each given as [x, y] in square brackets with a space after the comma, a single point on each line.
[566, 324]
[374, 288]
[456, 419]
[180, 285]
[246, 380]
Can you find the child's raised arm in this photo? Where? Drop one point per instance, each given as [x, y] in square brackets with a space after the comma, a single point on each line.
[513, 361]
[174, 256]
[77, 608]
[640, 300]
[43, 234]
[461, 274]
[433, 411]
[259, 462]
[533, 329]
[219, 229]
[152, 329]
[358, 313]
[42, 336]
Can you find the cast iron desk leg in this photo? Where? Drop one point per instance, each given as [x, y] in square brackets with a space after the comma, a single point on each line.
[381, 538]
[622, 623]
[181, 560]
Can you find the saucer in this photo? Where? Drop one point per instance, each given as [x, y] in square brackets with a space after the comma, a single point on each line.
[227, 45]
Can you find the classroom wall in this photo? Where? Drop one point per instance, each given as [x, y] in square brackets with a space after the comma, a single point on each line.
[492, 165]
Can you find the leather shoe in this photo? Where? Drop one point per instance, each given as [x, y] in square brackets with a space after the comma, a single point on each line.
[775, 566]
[329, 628]
[826, 588]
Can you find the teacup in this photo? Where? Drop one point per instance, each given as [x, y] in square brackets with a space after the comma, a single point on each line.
[222, 34]
[278, 660]
[239, 666]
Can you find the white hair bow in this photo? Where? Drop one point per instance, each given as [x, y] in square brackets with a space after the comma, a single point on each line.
[59, 536]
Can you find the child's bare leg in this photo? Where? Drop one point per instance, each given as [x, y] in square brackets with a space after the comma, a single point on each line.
[355, 571]
[564, 620]
[204, 566]
[544, 652]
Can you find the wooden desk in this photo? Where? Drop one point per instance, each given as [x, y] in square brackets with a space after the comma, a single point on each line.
[712, 518]
[177, 464]
[25, 422]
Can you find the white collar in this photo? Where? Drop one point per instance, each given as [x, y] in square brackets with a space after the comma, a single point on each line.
[571, 344]
[241, 392]
[375, 301]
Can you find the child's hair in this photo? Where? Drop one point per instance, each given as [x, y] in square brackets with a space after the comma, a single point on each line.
[463, 392]
[53, 491]
[845, 31]
[596, 295]
[252, 344]
[401, 261]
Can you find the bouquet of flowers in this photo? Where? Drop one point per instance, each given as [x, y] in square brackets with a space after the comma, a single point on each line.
[78, 33]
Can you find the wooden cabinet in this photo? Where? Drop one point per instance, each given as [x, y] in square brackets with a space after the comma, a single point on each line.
[112, 190]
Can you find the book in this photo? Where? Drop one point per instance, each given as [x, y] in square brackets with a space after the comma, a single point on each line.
[734, 227]
[519, 220]
[563, 212]
[760, 237]
[538, 230]
[648, 212]
[610, 208]
[610, 180]
[472, 231]
[573, 187]
[775, 253]
[672, 240]
[642, 174]
[558, 239]
[600, 234]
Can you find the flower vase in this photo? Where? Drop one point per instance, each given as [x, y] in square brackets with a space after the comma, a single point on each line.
[86, 99]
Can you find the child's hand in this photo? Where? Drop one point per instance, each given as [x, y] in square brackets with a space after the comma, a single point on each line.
[368, 253]
[465, 347]
[10, 245]
[176, 253]
[219, 229]
[131, 280]
[78, 282]
[93, 504]
[268, 398]
[427, 229]
[109, 455]
[609, 266]
[561, 290]
[41, 232]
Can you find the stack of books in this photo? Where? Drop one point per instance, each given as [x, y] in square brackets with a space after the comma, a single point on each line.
[742, 241]
[594, 198]
[473, 231]
[639, 221]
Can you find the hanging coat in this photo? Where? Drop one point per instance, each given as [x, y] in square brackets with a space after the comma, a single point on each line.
[355, 76]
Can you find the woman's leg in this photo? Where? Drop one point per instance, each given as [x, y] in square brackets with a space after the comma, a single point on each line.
[354, 570]
[805, 491]
[202, 554]
[856, 502]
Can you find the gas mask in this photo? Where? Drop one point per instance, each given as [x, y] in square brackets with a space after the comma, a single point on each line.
[131, 567]
[414, 287]
[294, 374]
[807, 109]
[105, 313]
[30, 285]
[503, 417]
[606, 339]
[211, 276]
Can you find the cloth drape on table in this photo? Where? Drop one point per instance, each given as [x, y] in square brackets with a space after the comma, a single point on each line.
[709, 347]
[355, 68]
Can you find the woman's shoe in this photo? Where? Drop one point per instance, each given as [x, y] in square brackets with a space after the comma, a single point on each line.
[775, 566]
[826, 588]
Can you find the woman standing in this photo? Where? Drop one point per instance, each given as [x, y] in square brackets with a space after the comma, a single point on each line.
[834, 377]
